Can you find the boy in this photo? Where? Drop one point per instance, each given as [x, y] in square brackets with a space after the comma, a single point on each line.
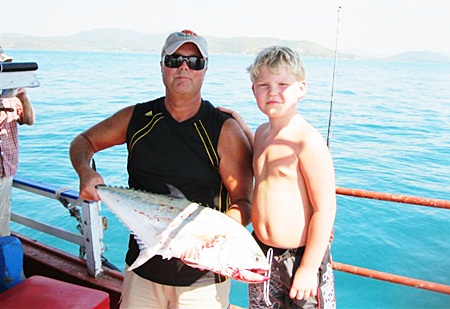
[294, 201]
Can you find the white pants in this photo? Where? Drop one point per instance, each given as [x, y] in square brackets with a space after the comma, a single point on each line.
[141, 293]
[5, 204]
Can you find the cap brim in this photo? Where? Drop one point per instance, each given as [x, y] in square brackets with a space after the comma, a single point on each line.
[169, 50]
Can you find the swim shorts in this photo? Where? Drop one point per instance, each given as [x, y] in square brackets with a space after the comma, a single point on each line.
[284, 264]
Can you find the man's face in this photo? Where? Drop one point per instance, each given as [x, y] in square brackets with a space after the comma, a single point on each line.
[183, 80]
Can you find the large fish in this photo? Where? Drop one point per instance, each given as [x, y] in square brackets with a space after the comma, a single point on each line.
[169, 225]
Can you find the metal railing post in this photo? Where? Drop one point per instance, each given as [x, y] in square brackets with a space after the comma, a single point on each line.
[93, 236]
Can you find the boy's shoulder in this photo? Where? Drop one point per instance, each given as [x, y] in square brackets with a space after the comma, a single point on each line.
[261, 132]
[262, 126]
[305, 133]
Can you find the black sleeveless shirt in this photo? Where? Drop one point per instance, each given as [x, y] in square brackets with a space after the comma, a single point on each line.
[183, 154]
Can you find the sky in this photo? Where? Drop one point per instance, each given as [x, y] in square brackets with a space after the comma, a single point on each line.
[375, 26]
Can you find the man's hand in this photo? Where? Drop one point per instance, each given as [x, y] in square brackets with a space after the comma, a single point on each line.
[190, 258]
[88, 183]
[192, 254]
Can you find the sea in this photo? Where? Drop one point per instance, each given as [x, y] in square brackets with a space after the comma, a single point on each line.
[387, 125]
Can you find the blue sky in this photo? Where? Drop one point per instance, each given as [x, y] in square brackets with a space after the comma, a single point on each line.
[374, 26]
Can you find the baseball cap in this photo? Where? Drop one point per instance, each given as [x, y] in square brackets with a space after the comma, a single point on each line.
[176, 39]
[4, 57]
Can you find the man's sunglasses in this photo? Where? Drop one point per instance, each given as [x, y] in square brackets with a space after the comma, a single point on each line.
[193, 62]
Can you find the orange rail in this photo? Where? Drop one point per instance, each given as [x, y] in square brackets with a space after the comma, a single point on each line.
[398, 198]
[426, 285]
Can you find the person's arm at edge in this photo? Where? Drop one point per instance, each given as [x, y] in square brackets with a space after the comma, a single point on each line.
[236, 170]
[28, 116]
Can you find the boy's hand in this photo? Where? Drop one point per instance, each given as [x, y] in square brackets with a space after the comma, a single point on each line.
[247, 131]
[304, 285]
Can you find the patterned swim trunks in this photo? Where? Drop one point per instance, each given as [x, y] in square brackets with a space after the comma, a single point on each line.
[284, 264]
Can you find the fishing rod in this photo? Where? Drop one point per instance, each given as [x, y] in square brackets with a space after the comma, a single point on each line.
[334, 77]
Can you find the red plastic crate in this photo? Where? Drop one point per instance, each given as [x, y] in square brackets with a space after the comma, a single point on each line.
[43, 292]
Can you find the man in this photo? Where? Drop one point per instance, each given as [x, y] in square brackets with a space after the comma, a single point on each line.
[13, 110]
[182, 140]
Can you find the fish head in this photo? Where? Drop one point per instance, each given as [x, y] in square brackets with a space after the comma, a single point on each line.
[241, 259]
[244, 260]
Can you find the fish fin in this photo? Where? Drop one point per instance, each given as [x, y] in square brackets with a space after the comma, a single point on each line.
[177, 222]
[142, 246]
[175, 192]
[146, 252]
[143, 257]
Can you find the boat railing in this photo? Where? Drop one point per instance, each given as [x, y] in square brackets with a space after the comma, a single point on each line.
[92, 232]
[91, 236]
[384, 276]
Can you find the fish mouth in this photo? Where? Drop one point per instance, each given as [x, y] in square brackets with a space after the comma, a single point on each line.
[255, 275]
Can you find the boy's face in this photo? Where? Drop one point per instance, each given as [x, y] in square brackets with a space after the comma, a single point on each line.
[277, 95]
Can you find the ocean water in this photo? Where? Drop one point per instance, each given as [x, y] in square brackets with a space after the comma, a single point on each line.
[390, 133]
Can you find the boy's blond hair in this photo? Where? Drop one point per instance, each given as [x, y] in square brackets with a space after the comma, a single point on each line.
[275, 58]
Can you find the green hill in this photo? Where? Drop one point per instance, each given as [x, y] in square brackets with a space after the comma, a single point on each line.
[127, 40]
[420, 56]
[113, 39]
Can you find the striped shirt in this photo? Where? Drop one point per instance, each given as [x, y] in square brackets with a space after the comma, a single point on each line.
[9, 139]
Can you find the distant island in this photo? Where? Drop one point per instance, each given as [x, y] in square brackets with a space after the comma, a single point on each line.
[113, 39]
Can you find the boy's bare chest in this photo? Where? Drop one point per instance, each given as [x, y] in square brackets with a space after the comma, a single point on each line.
[276, 158]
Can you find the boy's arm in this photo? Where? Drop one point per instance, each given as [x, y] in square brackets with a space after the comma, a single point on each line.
[317, 169]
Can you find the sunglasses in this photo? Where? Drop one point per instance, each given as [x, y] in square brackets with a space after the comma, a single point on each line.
[193, 62]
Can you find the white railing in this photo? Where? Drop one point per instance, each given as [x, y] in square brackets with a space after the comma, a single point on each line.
[92, 227]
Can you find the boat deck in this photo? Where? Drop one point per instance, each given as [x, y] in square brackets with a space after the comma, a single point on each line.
[40, 259]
